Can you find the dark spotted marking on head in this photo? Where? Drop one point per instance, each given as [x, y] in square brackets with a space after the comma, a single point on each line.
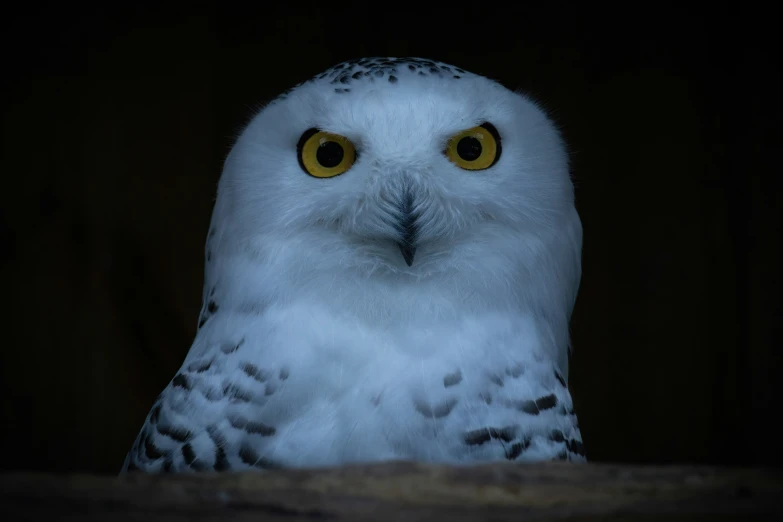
[250, 457]
[200, 366]
[486, 397]
[515, 371]
[230, 347]
[181, 381]
[209, 255]
[168, 464]
[480, 436]
[212, 292]
[537, 406]
[284, 372]
[241, 423]
[559, 377]
[368, 69]
[438, 411]
[203, 320]
[517, 448]
[563, 455]
[452, 379]
[251, 370]
[497, 379]
[212, 307]
[174, 432]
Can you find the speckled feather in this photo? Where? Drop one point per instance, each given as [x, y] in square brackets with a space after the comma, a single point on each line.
[317, 345]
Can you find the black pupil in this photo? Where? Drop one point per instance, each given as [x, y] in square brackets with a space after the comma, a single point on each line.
[330, 154]
[469, 148]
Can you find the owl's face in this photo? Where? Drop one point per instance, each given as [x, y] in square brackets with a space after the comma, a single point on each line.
[399, 165]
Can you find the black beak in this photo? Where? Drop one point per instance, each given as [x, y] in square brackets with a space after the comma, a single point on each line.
[408, 228]
[407, 253]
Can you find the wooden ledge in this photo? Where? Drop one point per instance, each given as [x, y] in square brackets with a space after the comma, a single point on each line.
[405, 492]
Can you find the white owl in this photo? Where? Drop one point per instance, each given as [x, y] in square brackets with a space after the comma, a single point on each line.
[391, 266]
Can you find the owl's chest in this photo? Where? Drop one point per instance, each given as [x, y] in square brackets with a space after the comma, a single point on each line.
[356, 390]
[338, 354]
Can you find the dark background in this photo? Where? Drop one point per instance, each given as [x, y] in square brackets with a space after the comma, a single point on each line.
[116, 121]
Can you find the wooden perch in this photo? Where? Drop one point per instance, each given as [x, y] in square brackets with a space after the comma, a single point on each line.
[405, 492]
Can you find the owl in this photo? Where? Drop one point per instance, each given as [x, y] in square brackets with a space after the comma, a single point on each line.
[391, 265]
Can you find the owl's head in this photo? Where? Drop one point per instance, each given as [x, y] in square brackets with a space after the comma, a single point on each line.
[403, 166]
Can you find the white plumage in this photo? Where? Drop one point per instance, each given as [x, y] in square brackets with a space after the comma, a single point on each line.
[411, 307]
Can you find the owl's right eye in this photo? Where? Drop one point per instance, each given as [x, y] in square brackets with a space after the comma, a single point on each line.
[325, 155]
[475, 149]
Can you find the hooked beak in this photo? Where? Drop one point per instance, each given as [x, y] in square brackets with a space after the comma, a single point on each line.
[408, 228]
[408, 252]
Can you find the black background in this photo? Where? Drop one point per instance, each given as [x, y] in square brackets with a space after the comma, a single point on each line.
[116, 121]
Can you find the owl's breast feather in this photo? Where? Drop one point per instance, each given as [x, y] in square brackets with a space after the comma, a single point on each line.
[356, 391]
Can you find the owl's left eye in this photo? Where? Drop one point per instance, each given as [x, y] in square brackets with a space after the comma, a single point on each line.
[325, 155]
[475, 149]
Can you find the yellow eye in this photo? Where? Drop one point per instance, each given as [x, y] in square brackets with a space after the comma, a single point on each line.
[475, 149]
[325, 155]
